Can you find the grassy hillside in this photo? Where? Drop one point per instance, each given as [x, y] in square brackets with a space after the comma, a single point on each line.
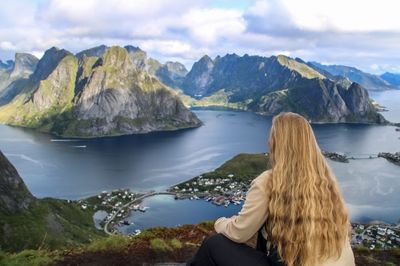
[47, 224]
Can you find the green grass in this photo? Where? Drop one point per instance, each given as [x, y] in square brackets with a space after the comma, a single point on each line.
[176, 244]
[159, 244]
[220, 98]
[110, 243]
[47, 224]
[301, 68]
[244, 166]
[27, 258]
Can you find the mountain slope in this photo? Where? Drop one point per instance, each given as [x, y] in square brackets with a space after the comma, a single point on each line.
[270, 85]
[94, 96]
[30, 223]
[368, 81]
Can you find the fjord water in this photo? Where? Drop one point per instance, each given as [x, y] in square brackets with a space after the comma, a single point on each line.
[75, 168]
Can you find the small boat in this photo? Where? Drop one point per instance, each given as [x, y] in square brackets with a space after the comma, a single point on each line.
[143, 209]
[137, 232]
[125, 222]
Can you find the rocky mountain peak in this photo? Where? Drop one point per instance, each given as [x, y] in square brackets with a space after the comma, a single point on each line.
[205, 60]
[14, 195]
[177, 68]
[97, 51]
[48, 63]
[24, 64]
[115, 57]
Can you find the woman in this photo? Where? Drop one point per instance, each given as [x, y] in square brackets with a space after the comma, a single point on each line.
[296, 205]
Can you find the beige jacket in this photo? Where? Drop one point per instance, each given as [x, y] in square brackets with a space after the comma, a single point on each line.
[243, 228]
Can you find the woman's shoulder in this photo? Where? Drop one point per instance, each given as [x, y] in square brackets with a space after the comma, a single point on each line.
[262, 179]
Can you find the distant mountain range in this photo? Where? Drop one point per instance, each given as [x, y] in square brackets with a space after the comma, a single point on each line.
[106, 91]
[368, 81]
[392, 78]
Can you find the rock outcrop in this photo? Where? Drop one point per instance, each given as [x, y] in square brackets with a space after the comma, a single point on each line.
[21, 68]
[14, 195]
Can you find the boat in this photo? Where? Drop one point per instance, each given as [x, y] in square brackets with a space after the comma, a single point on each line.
[143, 209]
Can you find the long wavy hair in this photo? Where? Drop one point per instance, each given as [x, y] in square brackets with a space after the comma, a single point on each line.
[307, 218]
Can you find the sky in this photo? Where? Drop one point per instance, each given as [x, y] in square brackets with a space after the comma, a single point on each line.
[360, 33]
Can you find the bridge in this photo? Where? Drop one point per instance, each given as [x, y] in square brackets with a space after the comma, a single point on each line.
[135, 201]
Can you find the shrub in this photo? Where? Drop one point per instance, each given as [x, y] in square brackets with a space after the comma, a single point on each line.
[176, 244]
[109, 243]
[160, 245]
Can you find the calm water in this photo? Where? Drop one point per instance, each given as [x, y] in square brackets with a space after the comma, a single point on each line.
[75, 168]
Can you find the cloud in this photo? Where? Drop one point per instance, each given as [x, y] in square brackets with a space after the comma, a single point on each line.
[8, 46]
[365, 34]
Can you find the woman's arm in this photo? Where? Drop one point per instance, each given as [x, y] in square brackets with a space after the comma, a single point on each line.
[242, 227]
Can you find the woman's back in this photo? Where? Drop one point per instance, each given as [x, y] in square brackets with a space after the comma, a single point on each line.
[297, 204]
[245, 223]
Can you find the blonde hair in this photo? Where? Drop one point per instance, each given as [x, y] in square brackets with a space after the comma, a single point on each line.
[307, 218]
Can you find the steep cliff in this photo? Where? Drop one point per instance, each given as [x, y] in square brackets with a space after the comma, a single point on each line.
[14, 195]
[22, 67]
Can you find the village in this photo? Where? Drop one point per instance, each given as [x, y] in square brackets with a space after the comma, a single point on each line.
[110, 209]
[375, 236]
[221, 191]
[224, 187]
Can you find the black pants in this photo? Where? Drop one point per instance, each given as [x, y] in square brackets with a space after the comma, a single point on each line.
[218, 250]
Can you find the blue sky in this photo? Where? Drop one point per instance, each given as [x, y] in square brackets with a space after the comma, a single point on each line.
[365, 34]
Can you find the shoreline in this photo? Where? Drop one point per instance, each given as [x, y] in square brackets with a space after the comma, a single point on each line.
[216, 187]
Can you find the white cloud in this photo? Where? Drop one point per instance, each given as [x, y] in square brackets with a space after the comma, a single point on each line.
[8, 46]
[365, 34]
[210, 25]
[345, 15]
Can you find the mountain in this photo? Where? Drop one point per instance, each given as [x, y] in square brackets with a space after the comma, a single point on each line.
[97, 51]
[269, 85]
[94, 96]
[392, 78]
[30, 223]
[170, 73]
[368, 81]
[23, 66]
